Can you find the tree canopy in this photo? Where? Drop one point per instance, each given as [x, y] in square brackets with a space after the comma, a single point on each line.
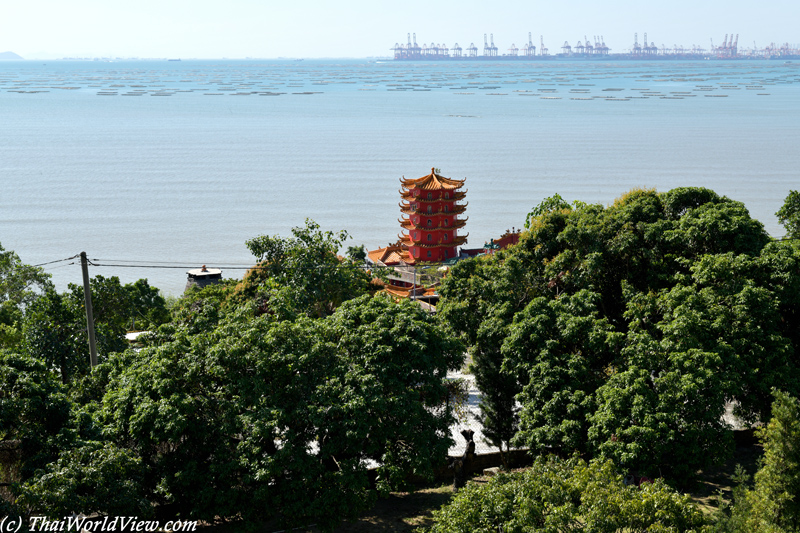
[303, 273]
[789, 215]
[54, 326]
[567, 495]
[20, 285]
[622, 331]
[269, 398]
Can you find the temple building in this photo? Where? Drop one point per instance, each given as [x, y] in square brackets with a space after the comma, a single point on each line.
[430, 222]
[429, 242]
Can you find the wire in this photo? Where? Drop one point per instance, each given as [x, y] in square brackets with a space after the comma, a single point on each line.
[119, 263]
[147, 262]
[163, 266]
[229, 267]
[57, 261]
[62, 266]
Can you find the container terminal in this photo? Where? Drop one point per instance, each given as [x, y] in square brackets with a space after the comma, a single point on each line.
[594, 48]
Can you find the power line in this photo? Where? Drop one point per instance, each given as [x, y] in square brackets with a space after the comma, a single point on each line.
[150, 262]
[57, 261]
[62, 266]
[227, 267]
[165, 266]
[119, 263]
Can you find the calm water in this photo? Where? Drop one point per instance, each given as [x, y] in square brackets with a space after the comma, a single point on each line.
[177, 164]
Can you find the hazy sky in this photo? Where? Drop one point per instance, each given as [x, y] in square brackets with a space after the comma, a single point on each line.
[360, 28]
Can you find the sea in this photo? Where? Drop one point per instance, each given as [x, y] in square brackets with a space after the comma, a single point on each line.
[156, 167]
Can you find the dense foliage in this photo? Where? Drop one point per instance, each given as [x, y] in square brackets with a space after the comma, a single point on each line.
[303, 274]
[20, 284]
[772, 505]
[270, 398]
[264, 416]
[616, 333]
[54, 327]
[567, 495]
[622, 331]
[789, 215]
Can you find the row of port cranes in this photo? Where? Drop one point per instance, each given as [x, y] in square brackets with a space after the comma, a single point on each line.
[412, 50]
[645, 50]
[728, 49]
[596, 46]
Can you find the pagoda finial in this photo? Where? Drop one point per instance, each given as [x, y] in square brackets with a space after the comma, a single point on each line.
[433, 170]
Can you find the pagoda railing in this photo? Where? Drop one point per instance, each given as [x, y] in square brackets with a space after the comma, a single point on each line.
[408, 210]
[420, 199]
[457, 223]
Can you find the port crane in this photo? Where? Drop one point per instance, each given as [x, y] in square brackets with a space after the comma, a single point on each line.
[636, 48]
[530, 50]
[603, 48]
[542, 50]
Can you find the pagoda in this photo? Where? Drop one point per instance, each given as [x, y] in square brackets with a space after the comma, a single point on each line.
[430, 218]
[431, 222]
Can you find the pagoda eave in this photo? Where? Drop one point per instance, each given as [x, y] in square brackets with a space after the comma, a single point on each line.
[432, 182]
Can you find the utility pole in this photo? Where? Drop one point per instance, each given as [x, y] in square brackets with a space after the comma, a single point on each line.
[87, 294]
[414, 288]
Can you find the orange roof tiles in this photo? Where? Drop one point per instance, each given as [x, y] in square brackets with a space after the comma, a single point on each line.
[391, 255]
[432, 182]
[405, 293]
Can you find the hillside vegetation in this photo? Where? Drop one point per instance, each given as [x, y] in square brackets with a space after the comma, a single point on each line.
[608, 342]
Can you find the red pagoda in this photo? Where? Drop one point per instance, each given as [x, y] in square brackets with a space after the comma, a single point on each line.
[430, 222]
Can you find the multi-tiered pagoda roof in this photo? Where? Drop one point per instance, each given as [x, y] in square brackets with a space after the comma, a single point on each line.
[430, 222]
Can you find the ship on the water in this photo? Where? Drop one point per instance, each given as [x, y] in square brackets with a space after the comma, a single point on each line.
[590, 49]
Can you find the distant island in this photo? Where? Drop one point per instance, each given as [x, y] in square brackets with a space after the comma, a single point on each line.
[9, 55]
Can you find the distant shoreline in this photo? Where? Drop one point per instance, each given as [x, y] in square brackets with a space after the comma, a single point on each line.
[595, 58]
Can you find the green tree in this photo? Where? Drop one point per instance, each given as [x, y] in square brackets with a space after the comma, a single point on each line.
[771, 505]
[779, 270]
[147, 309]
[54, 334]
[631, 325]
[35, 412]
[777, 483]
[397, 357]
[571, 495]
[303, 274]
[54, 329]
[558, 350]
[20, 285]
[553, 203]
[660, 426]
[357, 254]
[789, 215]
[257, 416]
[93, 478]
[468, 307]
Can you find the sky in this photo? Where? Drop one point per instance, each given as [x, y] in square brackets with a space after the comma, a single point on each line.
[46, 29]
